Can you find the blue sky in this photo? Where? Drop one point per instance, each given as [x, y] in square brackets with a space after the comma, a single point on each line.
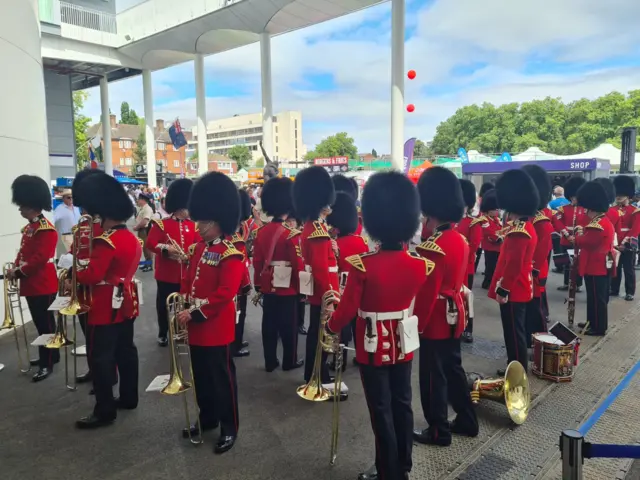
[464, 51]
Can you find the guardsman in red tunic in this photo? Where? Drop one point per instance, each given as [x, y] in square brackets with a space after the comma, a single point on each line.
[612, 213]
[537, 311]
[313, 195]
[484, 189]
[512, 285]
[442, 312]
[170, 239]
[627, 231]
[491, 237]
[595, 260]
[277, 262]
[110, 271]
[34, 266]
[567, 217]
[213, 278]
[380, 292]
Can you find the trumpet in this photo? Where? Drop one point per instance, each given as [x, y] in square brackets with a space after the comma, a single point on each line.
[182, 255]
[83, 230]
[11, 304]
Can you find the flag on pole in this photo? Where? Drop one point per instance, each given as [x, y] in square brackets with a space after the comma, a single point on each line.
[408, 154]
[176, 135]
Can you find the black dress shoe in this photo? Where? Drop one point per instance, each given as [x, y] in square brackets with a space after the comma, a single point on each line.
[460, 429]
[593, 333]
[194, 430]
[426, 437]
[370, 474]
[91, 422]
[563, 288]
[245, 344]
[163, 341]
[243, 352]
[224, 444]
[579, 289]
[582, 324]
[298, 364]
[120, 405]
[628, 297]
[302, 330]
[84, 378]
[41, 374]
[355, 362]
[271, 368]
[467, 337]
[34, 362]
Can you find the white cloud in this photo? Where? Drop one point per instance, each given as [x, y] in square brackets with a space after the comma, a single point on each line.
[502, 34]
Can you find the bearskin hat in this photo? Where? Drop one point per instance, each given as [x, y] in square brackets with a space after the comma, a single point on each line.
[593, 196]
[356, 187]
[108, 198]
[215, 198]
[31, 191]
[468, 193]
[344, 214]
[489, 201]
[542, 182]
[484, 188]
[276, 197]
[312, 191]
[390, 207]
[178, 195]
[517, 193]
[572, 186]
[441, 194]
[625, 186]
[245, 205]
[76, 190]
[607, 184]
[346, 185]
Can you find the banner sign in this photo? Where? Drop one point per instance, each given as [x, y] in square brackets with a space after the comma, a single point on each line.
[333, 164]
[408, 154]
[578, 165]
[505, 157]
[462, 153]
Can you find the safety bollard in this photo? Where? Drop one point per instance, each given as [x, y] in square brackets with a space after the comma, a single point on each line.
[571, 443]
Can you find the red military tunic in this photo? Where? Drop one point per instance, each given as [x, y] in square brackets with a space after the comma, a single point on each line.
[595, 244]
[286, 249]
[628, 226]
[380, 282]
[471, 228]
[113, 263]
[78, 235]
[544, 228]
[210, 287]
[34, 262]
[491, 241]
[513, 275]
[184, 233]
[348, 245]
[563, 221]
[240, 242]
[449, 252]
[318, 255]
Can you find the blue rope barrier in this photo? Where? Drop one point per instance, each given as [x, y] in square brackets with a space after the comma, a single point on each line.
[591, 421]
[594, 450]
[145, 262]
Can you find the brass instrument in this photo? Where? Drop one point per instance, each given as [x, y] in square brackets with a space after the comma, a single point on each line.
[84, 229]
[178, 335]
[11, 304]
[512, 390]
[182, 255]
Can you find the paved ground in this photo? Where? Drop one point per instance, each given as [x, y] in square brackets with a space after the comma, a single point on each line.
[283, 437]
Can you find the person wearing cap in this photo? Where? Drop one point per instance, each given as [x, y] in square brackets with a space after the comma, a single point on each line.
[627, 231]
[380, 290]
[144, 215]
[65, 217]
[214, 276]
[595, 261]
[491, 238]
[442, 312]
[34, 266]
[511, 286]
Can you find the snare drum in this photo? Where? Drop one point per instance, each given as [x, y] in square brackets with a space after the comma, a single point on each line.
[552, 359]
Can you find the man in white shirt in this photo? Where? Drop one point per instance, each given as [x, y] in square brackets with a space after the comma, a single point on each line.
[65, 217]
[143, 217]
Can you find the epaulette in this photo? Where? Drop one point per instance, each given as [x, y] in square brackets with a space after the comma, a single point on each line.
[74, 229]
[518, 227]
[356, 262]
[595, 224]
[319, 231]
[429, 264]
[254, 232]
[540, 217]
[430, 245]
[230, 251]
[105, 236]
[237, 238]
[477, 220]
[159, 222]
[44, 224]
[292, 231]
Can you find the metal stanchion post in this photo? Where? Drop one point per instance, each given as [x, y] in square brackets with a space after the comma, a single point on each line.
[571, 443]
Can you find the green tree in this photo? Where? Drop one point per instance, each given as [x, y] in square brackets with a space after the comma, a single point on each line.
[260, 162]
[420, 150]
[241, 154]
[338, 145]
[309, 156]
[140, 151]
[80, 127]
[128, 116]
[374, 153]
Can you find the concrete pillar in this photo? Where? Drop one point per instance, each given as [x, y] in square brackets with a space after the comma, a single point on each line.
[107, 153]
[147, 92]
[201, 111]
[267, 104]
[397, 83]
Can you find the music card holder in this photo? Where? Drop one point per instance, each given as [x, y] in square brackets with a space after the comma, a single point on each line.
[138, 284]
[306, 281]
[281, 276]
[409, 335]
[43, 340]
[58, 303]
[563, 333]
[158, 383]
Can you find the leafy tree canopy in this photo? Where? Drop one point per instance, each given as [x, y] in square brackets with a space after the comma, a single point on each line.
[241, 154]
[420, 150]
[80, 127]
[128, 116]
[338, 145]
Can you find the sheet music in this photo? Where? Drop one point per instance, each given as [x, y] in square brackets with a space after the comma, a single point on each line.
[58, 303]
[42, 340]
[158, 383]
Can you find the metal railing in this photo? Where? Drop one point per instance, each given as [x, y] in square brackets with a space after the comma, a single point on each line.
[49, 11]
[88, 18]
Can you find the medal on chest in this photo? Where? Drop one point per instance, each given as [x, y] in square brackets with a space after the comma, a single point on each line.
[211, 258]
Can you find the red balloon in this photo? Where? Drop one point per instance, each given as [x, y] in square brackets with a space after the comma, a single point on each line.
[411, 107]
[411, 74]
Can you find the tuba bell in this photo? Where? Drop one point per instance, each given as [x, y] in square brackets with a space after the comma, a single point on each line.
[84, 230]
[60, 339]
[512, 390]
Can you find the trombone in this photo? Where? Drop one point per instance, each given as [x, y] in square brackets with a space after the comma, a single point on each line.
[11, 304]
[179, 335]
[83, 230]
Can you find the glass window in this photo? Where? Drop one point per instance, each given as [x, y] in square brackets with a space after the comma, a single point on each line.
[176, 163]
[128, 161]
[276, 128]
[276, 149]
[160, 146]
[276, 139]
[121, 160]
[121, 143]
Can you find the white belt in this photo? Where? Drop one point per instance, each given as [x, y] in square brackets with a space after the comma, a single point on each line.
[307, 268]
[51, 260]
[381, 316]
[280, 264]
[625, 229]
[103, 282]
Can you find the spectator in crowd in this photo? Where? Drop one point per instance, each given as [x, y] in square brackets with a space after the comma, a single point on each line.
[65, 217]
[558, 198]
[144, 215]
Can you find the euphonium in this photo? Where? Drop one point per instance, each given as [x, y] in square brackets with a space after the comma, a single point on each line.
[83, 230]
[11, 304]
[59, 339]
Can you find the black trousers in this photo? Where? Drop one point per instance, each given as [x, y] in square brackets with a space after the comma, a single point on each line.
[280, 319]
[567, 271]
[312, 343]
[470, 281]
[86, 329]
[214, 375]
[111, 345]
[597, 302]
[625, 264]
[478, 255]
[45, 322]
[443, 381]
[302, 306]
[513, 315]
[490, 262]
[545, 305]
[535, 318]
[242, 318]
[164, 290]
[557, 248]
[387, 390]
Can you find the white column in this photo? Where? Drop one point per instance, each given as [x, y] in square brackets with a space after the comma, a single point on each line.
[149, 132]
[107, 154]
[397, 83]
[201, 110]
[267, 105]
